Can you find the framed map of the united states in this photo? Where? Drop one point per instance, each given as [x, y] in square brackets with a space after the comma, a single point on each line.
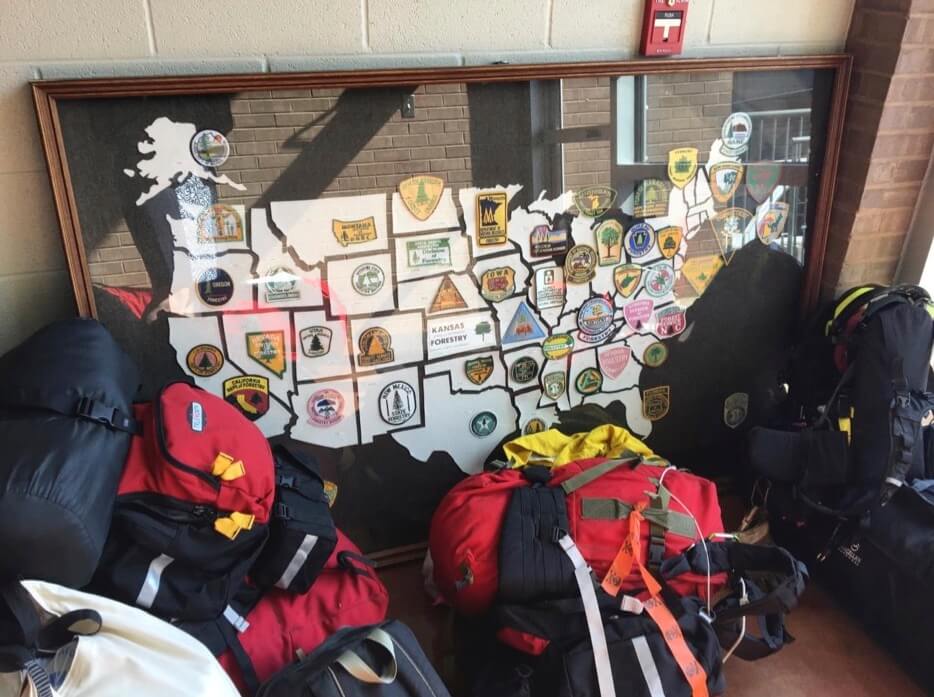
[400, 270]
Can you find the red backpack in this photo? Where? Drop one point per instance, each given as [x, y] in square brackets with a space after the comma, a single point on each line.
[263, 632]
[192, 507]
[593, 499]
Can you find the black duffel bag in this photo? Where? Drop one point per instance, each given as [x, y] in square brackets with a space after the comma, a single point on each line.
[65, 424]
[545, 650]
[381, 660]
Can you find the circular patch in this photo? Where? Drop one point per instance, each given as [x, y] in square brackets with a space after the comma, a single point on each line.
[325, 407]
[640, 238]
[525, 369]
[397, 403]
[659, 279]
[580, 263]
[204, 360]
[368, 279]
[215, 287]
[483, 424]
[655, 354]
[595, 320]
[589, 381]
[210, 148]
[557, 346]
[735, 133]
[535, 425]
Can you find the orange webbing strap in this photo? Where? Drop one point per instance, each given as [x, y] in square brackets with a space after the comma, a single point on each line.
[693, 671]
[629, 554]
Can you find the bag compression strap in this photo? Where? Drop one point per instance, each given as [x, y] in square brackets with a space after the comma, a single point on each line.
[629, 554]
[601, 654]
[908, 410]
[587, 476]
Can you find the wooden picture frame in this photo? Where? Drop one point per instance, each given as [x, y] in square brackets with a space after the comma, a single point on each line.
[51, 96]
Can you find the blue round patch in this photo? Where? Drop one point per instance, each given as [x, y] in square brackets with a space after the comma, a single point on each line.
[639, 240]
[595, 316]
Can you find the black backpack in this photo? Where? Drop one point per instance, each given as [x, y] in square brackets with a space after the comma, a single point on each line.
[302, 534]
[383, 660]
[65, 425]
[863, 438]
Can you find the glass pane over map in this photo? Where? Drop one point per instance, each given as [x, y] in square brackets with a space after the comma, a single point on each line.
[401, 292]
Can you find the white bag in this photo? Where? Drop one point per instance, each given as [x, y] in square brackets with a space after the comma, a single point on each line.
[87, 646]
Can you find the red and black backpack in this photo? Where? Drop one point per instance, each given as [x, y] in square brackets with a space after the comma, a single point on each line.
[192, 507]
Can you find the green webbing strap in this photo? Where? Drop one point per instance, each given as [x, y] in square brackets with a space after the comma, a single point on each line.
[664, 519]
[359, 669]
[659, 502]
[584, 478]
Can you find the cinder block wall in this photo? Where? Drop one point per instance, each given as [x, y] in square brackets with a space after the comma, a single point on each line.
[49, 39]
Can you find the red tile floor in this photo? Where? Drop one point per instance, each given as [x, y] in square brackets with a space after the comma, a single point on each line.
[832, 657]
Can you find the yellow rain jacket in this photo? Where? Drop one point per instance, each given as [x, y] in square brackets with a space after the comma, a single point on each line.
[553, 448]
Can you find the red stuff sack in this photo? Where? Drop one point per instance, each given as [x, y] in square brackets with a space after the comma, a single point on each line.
[463, 538]
[484, 549]
[263, 633]
[192, 507]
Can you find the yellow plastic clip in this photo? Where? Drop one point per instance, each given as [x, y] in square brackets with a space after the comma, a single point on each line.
[227, 527]
[244, 520]
[845, 424]
[227, 468]
[231, 526]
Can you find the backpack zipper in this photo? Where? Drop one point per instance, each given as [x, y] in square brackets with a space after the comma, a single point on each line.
[160, 503]
[164, 448]
[336, 682]
[405, 653]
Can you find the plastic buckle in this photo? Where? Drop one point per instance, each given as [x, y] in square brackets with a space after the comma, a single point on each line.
[92, 411]
[557, 534]
[656, 551]
[282, 511]
[286, 480]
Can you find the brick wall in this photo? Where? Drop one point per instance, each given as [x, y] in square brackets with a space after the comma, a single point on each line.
[269, 132]
[887, 142]
[271, 129]
[685, 110]
[586, 102]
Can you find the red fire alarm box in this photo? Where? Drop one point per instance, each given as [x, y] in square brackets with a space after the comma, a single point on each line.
[663, 27]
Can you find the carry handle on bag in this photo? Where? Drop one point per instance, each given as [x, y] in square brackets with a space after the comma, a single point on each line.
[356, 666]
[29, 641]
[381, 660]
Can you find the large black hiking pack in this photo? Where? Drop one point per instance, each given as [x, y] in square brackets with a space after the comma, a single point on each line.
[860, 440]
[66, 422]
[849, 488]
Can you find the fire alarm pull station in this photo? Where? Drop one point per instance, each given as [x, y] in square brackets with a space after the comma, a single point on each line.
[663, 28]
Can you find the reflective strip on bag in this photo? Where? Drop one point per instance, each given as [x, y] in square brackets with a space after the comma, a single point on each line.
[295, 565]
[149, 591]
[238, 621]
[649, 668]
[601, 654]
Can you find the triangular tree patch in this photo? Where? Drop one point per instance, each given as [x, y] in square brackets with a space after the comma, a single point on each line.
[447, 297]
[523, 326]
